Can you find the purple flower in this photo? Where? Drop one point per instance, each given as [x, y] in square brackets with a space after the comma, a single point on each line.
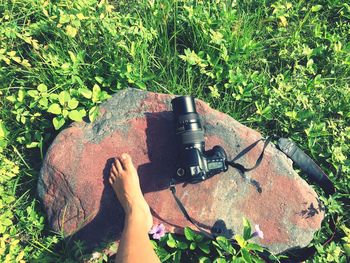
[258, 232]
[157, 231]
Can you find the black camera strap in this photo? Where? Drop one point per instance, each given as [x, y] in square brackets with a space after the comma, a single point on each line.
[185, 213]
[288, 147]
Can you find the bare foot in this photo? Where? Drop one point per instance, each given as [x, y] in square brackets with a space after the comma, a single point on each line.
[125, 182]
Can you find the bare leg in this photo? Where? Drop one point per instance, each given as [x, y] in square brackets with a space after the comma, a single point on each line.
[134, 245]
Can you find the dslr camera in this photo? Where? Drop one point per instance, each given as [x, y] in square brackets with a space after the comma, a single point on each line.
[194, 163]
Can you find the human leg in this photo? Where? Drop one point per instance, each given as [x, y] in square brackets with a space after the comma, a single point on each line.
[134, 244]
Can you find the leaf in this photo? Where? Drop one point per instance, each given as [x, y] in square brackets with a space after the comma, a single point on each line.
[3, 130]
[189, 234]
[42, 88]
[247, 257]
[177, 256]
[71, 31]
[43, 102]
[182, 245]
[76, 115]
[93, 113]
[58, 122]
[64, 97]
[95, 93]
[6, 222]
[85, 92]
[283, 21]
[54, 108]
[72, 56]
[254, 247]
[65, 113]
[193, 246]
[11, 98]
[171, 242]
[247, 229]
[73, 103]
[316, 8]
[220, 260]
[141, 85]
[223, 243]
[65, 66]
[33, 93]
[32, 145]
[240, 240]
[99, 79]
[204, 260]
[204, 247]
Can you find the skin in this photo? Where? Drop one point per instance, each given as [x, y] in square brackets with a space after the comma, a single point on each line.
[134, 244]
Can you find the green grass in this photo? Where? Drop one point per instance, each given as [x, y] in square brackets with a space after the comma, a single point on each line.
[281, 67]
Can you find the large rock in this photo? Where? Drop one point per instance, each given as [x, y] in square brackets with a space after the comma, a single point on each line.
[74, 189]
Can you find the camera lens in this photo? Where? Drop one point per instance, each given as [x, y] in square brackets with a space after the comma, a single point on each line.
[187, 121]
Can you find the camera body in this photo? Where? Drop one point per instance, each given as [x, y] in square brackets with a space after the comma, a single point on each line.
[194, 164]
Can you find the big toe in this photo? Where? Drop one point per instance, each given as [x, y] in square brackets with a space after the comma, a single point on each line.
[126, 161]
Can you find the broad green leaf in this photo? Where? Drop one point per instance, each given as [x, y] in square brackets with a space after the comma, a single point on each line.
[240, 240]
[21, 95]
[65, 113]
[42, 88]
[96, 93]
[54, 108]
[58, 122]
[220, 260]
[182, 245]
[32, 145]
[93, 113]
[85, 92]
[73, 103]
[204, 247]
[33, 93]
[76, 115]
[204, 260]
[255, 247]
[6, 222]
[141, 85]
[99, 79]
[104, 95]
[316, 8]
[177, 256]
[171, 242]
[193, 246]
[11, 98]
[65, 66]
[247, 229]
[64, 97]
[64, 18]
[53, 97]
[71, 31]
[189, 234]
[3, 130]
[246, 255]
[44, 102]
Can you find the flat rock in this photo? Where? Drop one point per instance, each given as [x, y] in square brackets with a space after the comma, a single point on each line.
[74, 189]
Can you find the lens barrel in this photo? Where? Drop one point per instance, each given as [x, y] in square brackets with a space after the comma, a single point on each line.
[187, 121]
[183, 105]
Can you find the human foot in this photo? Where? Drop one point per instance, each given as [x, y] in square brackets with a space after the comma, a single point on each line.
[125, 183]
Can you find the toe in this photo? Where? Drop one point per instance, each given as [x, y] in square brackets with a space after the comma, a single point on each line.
[118, 166]
[126, 161]
[111, 181]
[112, 176]
[114, 171]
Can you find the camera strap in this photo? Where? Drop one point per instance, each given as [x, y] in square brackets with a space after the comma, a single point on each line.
[299, 157]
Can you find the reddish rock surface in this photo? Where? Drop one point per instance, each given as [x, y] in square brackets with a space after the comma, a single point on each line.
[78, 200]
